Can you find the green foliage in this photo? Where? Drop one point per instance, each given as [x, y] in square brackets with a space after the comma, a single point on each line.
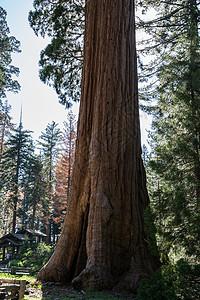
[36, 258]
[15, 160]
[49, 147]
[181, 281]
[33, 255]
[35, 193]
[16, 263]
[174, 168]
[48, 143]
[159, 286]
[61, 60]
[8, 45]
[14, 164]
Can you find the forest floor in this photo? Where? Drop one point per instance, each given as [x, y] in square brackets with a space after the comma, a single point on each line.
[58, 291]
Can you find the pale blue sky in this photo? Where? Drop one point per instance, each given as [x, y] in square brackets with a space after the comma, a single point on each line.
[39, 101]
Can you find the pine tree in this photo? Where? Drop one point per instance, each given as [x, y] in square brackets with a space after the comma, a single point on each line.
[8, 45]
[49, 142]
[14, 163]
[175, 138]
[35, 198]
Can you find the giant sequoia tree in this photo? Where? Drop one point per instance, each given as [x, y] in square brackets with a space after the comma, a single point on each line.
[103, 239]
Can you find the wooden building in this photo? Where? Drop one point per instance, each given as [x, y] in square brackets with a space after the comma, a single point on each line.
[33, 235]
[11, 242]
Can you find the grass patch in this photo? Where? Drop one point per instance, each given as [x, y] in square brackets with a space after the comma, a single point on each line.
[24, 277]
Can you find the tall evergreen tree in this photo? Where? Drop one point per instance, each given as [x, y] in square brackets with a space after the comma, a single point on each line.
[8, 45]
[49, 142]
[35, 194]
[175, 138]
[14, 163]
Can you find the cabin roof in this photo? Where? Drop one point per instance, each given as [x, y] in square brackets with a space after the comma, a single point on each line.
[11, 239]
[17, 238]
[31, 232]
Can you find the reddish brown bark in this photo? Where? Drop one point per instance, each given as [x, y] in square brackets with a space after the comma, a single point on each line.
[103, 240]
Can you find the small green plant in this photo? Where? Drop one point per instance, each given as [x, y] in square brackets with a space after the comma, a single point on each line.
[33, 255]
[181, 281]
[16, 263]
[36, 258]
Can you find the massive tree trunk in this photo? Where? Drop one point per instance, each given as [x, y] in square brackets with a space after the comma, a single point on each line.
[103, 240]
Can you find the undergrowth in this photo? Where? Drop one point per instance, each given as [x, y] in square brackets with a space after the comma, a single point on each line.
[172, 282]
[34, 256]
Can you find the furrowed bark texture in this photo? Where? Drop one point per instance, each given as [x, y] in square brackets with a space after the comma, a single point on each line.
[103, 240]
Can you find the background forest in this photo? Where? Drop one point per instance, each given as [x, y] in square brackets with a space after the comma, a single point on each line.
[35, 176]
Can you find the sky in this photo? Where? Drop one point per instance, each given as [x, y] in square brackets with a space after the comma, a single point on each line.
[39, 102]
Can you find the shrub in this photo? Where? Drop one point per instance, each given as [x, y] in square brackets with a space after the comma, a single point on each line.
[181, 281]
[35, 256]
[159, 287]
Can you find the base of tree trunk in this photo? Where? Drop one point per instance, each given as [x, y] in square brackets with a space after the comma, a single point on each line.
[95, 278]
[53, 273]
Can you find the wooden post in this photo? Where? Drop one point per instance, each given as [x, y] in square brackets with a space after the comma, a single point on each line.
[13, 270]
[22, 289]
[3, 253]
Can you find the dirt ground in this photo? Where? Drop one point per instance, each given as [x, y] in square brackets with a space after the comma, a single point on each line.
[59, 291]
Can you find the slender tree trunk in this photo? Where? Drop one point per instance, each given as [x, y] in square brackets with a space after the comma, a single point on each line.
[48, 232]
[50, 196]
[69, 167]
[2, 140]
[33, 216]
[103, 240]
[15, 198]
[14, 218]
